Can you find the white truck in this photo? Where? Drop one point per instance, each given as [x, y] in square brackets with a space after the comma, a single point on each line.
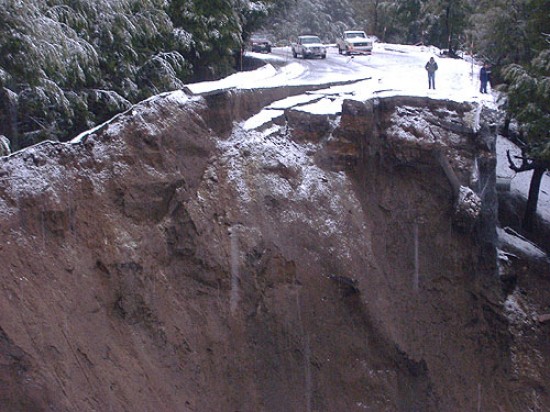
[355, 42]
[309, 46]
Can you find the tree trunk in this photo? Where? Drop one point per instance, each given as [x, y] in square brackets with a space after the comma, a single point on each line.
[448, 25]
[375, 17]
[506, 128]
[532, 200]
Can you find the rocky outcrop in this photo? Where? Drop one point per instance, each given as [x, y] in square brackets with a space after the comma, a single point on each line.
[172, 261]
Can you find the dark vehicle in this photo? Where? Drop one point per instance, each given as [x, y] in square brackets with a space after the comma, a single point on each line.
[260, 44]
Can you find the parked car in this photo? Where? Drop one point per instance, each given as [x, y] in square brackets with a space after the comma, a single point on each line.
[355, 42]
[309, 46]
[260, 44]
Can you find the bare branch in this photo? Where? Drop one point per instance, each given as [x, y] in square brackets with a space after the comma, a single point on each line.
[525, 163]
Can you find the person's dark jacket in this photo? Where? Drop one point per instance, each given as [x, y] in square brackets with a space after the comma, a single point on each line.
[431, 66]
[485, 75]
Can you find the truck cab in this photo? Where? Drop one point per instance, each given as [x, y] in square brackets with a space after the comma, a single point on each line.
[355, 42]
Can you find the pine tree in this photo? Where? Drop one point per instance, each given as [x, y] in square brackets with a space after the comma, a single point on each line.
[66, 65]
[499, 31]
[327, 19]
[445, 21]
[529, 103]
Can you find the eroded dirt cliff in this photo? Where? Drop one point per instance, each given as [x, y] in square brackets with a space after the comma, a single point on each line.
[172, 261]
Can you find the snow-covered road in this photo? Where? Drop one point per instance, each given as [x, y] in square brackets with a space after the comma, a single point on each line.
[390, 70]
[391, 66]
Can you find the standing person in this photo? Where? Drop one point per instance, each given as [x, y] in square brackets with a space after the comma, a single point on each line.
[484, 77]
[431, 67]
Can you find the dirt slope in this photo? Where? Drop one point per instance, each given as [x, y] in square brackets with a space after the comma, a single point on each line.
[171, 261]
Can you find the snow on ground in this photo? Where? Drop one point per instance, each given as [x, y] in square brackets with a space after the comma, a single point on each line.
[390, 70]
[517, 242]
[519, 182]
[265, 76]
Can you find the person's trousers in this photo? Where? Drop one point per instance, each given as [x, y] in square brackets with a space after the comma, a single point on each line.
[483, 88]
[431, 80]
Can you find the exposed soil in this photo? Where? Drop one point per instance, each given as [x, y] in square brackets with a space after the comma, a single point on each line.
[172, 262]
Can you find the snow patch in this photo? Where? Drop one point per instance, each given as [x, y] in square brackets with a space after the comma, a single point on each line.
[514, 309]
[518, 243]
[519, 183]
[261, 118]
[325, 106]
[265, 76]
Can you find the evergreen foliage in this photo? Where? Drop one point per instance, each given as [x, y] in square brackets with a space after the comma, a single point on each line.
[528, 102]
[527, 87]
[67, 65]
[326, 19]
[506, 32]
[445, 22]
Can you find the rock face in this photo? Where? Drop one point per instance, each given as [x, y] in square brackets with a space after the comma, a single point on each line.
[173, 261]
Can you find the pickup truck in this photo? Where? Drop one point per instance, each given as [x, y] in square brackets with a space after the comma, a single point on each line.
[309, 46]
[354, 42]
